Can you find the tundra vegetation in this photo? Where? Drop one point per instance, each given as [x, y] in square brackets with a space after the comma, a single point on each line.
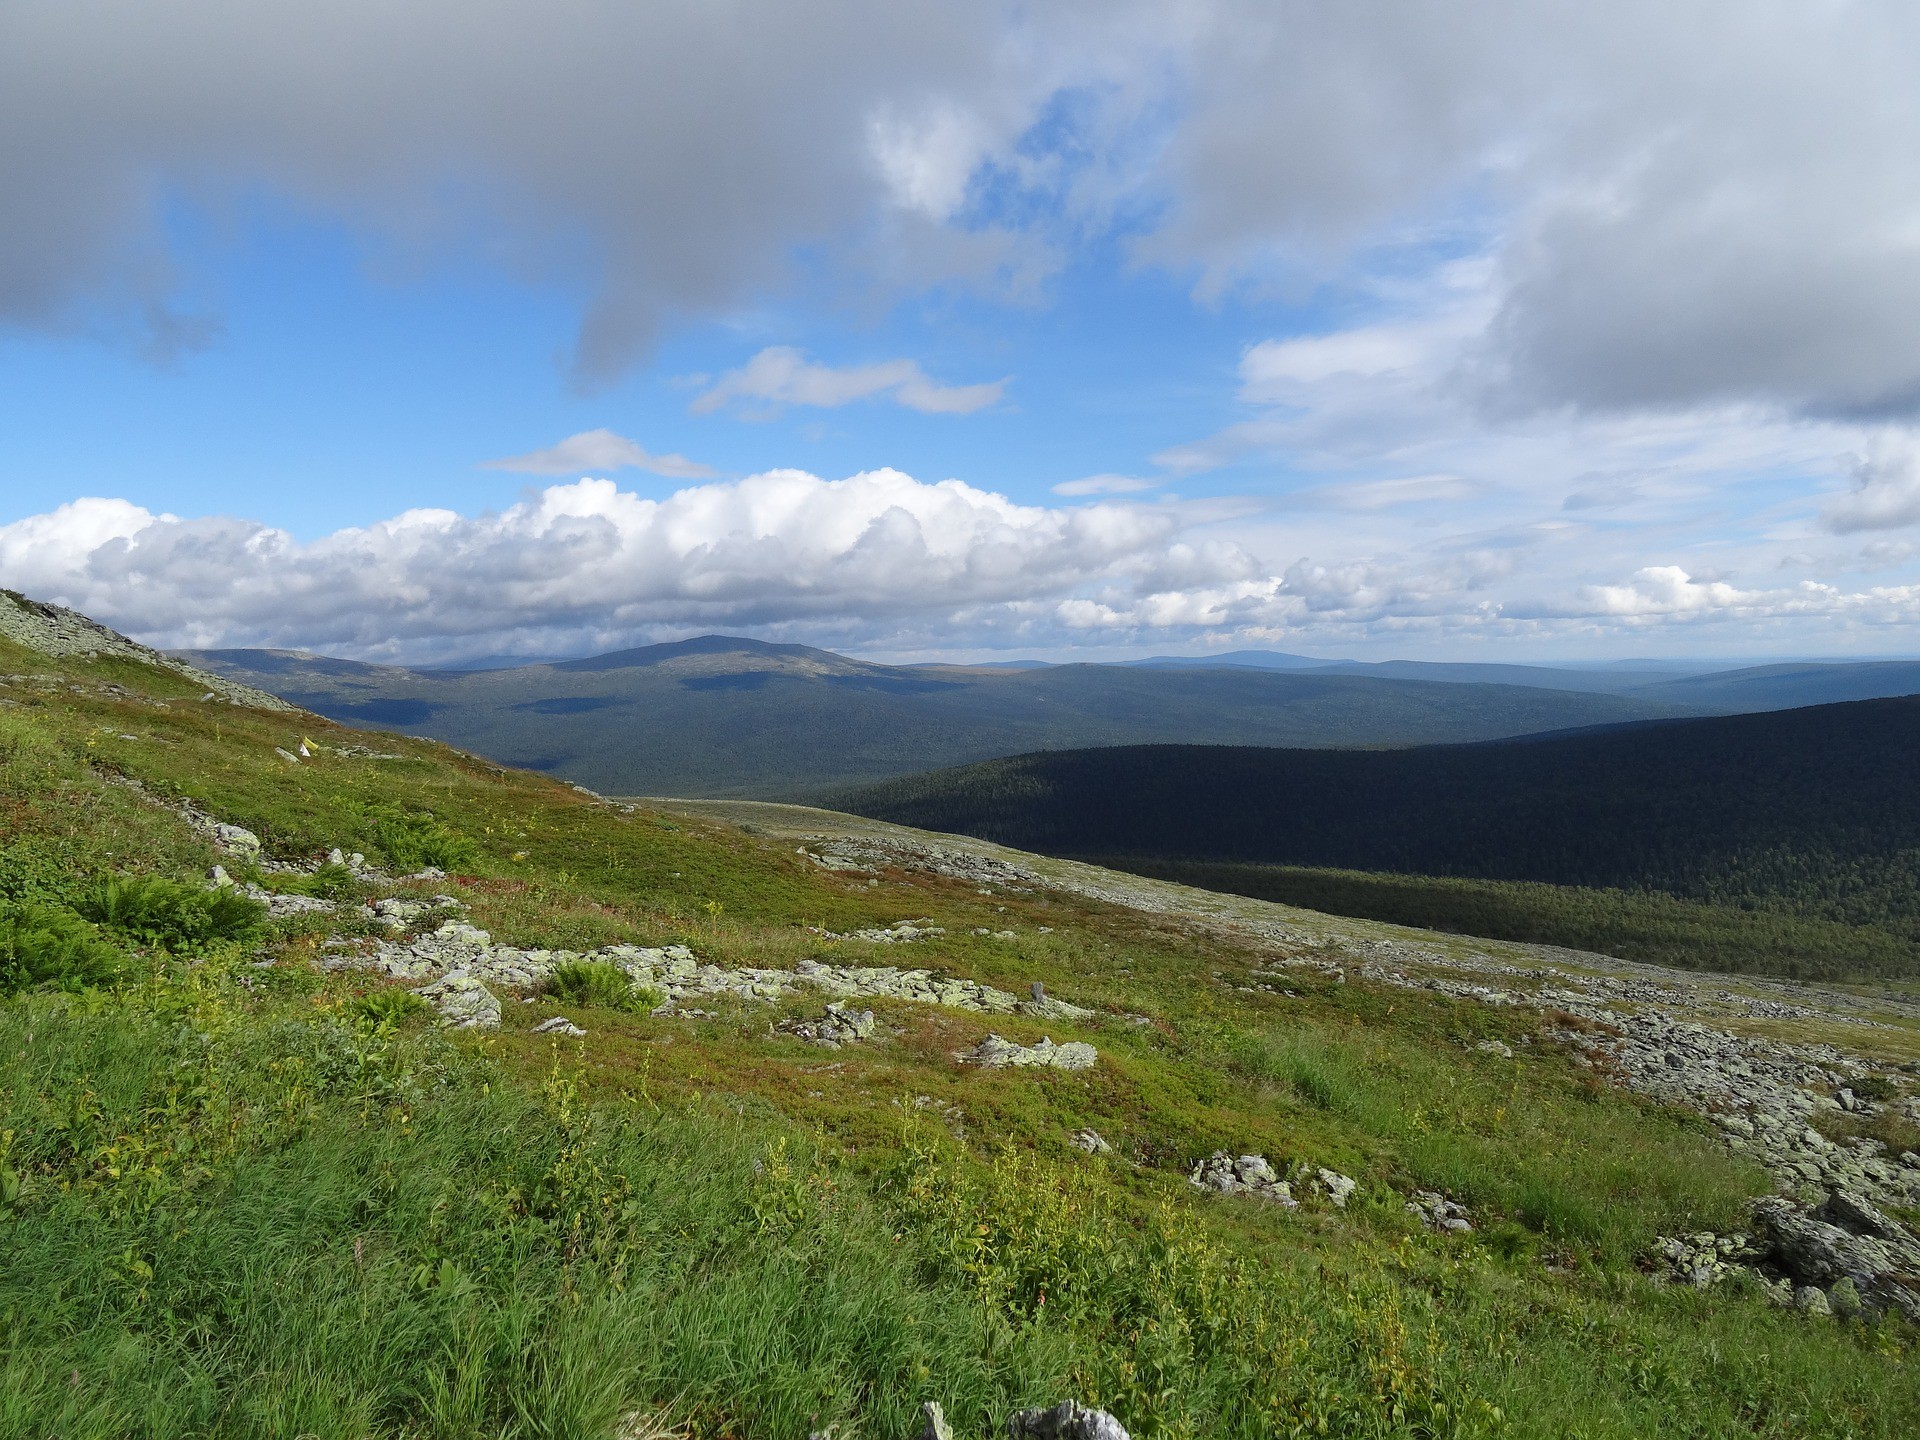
[249, 1188]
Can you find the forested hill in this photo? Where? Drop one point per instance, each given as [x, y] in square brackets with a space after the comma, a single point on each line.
[1819, 807]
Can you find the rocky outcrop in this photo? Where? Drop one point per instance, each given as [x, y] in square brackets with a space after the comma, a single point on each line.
[1846, 1243]
[1247, 1175]
[57, 631]
[994, 1052]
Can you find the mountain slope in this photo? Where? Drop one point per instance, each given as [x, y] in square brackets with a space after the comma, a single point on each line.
[254, 1181]
[1817, 809]
[720, 716]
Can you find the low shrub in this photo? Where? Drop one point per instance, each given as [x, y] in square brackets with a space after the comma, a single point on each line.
[42, 945]
[414, 840]
[599, 984]
[329, 882]
[180, 919]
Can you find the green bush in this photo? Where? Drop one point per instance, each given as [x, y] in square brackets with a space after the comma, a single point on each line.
[603, 986]
[415, 840]
[390, 1007]
[180, 919]
[43, 945]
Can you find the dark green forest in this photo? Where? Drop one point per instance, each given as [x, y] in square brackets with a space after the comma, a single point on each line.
[1787, 842]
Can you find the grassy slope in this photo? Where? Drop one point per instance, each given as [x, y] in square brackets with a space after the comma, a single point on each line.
[787, 722]
[235, 1208]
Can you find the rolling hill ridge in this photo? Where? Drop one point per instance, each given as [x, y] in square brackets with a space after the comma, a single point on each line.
[720, 716]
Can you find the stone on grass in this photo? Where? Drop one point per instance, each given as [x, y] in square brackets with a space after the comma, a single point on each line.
[558, 1025]
[838, 1026]
[1091, 1141]
[1248, 1175]
[994, 1053]
[464, 1003]
[933, 1422]
[1337, 1186]
[1065, 1421]
[1437, 1212]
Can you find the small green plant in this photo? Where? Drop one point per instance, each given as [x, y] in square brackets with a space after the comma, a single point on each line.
[329, 882]
[391, 1007]
[598, 984]
[414, 840]
[42, 945]
[180, 919]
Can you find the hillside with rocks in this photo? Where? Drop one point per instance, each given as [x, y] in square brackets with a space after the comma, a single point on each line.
[358, 1086]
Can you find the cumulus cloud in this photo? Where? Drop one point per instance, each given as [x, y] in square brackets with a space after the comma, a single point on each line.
[584, 559]
[781, 375]
[600, 451]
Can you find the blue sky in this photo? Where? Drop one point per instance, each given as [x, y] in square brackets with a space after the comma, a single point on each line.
[1504, 331]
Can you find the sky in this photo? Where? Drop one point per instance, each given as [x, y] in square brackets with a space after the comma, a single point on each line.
[1479, 330]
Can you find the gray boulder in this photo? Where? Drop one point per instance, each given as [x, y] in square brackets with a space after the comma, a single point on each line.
[1816, 1252]
[1065, 1421]
[1246, 1175]
[994, 1052]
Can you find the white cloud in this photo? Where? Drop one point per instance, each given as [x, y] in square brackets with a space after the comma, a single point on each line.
[882, 560]
[1886, 489]
[600, 451]
[1105, 485]
[781, 375]
[584, 560]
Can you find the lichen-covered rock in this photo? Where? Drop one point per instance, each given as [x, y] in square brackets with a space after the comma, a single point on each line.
[1246, 1175]
[1701, 1260]
[1335, 1186]
[1437, 1212]
[838, 1026]
[558, 1025]
[464, 1002]
[994, 1052]
[1065, 1421]
[1090, 1141]
[1814, 1251]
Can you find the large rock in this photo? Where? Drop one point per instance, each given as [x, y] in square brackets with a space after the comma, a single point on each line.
[1065, 1421]
[994, 1052]
[1816, 1252]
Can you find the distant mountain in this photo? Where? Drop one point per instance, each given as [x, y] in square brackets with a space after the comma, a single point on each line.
[1818, 808]
[721, 716]
[1778, 687]
[1238, 659]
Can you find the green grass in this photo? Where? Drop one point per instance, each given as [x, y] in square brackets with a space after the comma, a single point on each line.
[242, 1198]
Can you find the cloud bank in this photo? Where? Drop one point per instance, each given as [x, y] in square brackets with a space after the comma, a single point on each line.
[878, 560]
[1682, 202]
